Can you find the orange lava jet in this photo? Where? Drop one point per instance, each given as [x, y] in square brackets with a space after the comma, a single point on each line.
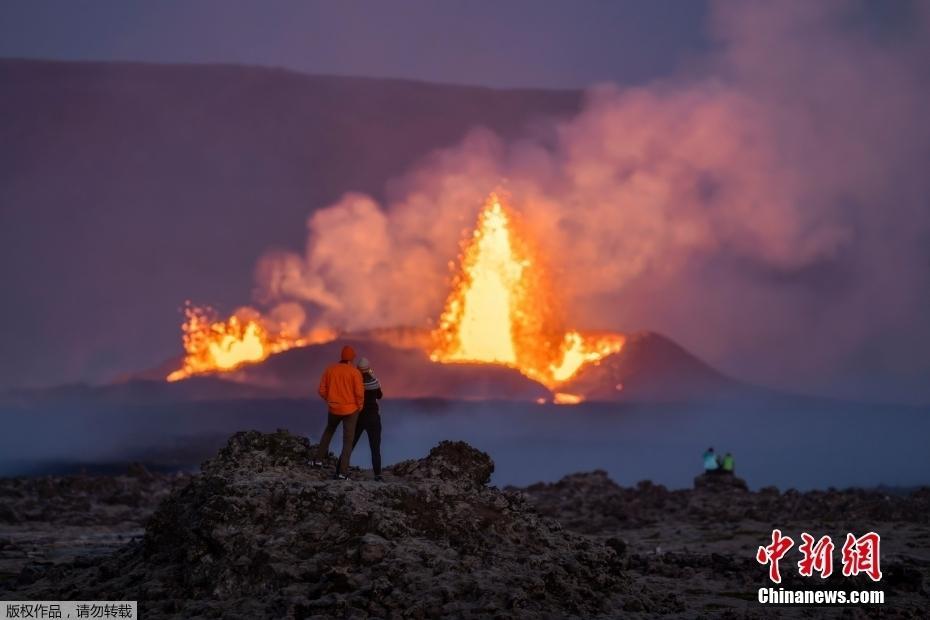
[214, 345]
[502, 310]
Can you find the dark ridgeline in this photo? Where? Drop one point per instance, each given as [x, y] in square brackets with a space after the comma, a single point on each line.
[649, 369]
[127, 188]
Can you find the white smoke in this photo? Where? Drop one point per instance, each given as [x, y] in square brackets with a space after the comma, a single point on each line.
[769, 210]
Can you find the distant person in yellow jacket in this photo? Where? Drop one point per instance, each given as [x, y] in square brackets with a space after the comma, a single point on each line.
[342, 389]
[728, 464]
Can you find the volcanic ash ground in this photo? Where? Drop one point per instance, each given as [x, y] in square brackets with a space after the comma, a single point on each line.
[261, 534]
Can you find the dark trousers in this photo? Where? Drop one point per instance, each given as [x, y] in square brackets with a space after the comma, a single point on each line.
[370, 422]
[348, 435]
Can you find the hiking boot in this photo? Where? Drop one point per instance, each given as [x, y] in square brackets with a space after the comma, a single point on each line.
[341, 477]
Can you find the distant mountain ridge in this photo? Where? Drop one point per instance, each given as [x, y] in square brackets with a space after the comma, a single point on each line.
[127, 188]
[650, 369]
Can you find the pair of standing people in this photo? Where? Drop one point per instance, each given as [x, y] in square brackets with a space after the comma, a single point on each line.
[351, 392]
[715, 464]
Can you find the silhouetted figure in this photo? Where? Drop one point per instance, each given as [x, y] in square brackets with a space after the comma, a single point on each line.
[341, 387]
[710, 461]
[369, 420]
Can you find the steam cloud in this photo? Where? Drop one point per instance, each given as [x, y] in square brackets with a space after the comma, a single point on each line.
[767, 207]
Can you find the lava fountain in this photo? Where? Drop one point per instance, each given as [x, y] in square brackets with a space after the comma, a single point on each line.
[502, 309]
[215, 345]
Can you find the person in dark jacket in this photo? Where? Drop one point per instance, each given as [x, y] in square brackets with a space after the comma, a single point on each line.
[369, 420]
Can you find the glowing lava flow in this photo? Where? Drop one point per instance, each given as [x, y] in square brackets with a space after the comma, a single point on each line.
[501, 309]
[213, 345]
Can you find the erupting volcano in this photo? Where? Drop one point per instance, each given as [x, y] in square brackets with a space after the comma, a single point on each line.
[502, 310]
[213, 345]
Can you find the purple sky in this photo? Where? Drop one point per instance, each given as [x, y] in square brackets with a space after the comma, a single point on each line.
[539, 43]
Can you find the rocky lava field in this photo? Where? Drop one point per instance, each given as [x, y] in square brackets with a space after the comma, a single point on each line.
[258, 533]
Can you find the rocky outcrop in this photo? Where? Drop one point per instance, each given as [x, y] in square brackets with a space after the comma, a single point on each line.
[452, 461]
[719, 482]
[701, 543]
[261, 534]
[593, 503]
[84, 500]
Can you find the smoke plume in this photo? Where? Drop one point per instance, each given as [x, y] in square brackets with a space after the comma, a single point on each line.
[767, 206]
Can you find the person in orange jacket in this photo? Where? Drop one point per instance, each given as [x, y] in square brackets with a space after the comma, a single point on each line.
[342, 389]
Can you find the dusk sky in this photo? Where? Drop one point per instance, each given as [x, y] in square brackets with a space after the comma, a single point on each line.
[552, 44]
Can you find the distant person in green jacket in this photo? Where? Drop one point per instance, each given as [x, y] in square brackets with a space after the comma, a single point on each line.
[728, 463]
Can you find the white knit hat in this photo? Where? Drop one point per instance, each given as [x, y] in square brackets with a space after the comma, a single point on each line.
[363, 364]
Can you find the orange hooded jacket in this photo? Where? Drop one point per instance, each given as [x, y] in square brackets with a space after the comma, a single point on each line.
[342, 389]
